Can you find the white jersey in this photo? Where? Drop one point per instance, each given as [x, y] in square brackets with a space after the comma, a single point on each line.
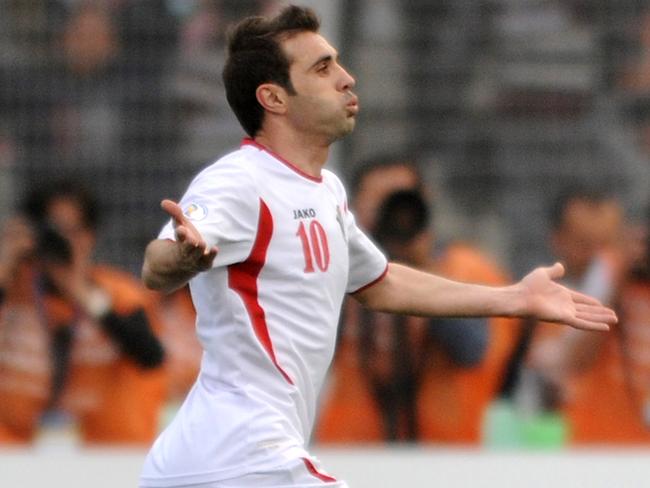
[267, 314]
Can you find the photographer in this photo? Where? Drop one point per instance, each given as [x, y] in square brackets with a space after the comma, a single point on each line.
[74, 336]
[25, 372]
[407, 378]
[605, 384]
[422, 353]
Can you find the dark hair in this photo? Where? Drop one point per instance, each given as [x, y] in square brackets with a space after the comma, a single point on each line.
[571, 193]
[403, 215]
[36, 204]
[382, 161]
[256, 57]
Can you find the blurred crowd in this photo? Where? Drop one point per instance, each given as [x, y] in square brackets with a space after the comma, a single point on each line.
[96, 98]
[494, 382]
[125, 94]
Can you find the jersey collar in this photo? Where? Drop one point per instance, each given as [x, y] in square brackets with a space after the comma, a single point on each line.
[247, 141]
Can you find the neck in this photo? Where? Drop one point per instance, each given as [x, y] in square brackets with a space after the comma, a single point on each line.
[305, 153]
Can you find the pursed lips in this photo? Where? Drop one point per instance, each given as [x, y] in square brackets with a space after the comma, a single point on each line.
[353, 104]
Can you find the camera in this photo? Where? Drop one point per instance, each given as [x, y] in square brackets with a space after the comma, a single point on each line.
[403, 215]
[52, 246]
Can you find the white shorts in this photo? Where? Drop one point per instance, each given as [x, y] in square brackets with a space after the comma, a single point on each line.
[300, 473]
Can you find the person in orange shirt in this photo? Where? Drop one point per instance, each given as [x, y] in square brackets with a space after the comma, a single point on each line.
[600, 379]
[89, 348]
[25, 369]
[462, 359]
[394, 395]
[623, 371]
[182, 348]
[349, 412]
[608, 402]
[397, 352]
[455, 396]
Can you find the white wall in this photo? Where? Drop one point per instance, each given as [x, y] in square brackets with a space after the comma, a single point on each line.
[66, 467]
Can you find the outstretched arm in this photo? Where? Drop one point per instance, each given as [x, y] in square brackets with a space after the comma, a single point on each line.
[405, 290]
[168, 264]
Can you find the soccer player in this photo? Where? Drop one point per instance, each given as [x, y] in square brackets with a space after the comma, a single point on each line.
[269, 248]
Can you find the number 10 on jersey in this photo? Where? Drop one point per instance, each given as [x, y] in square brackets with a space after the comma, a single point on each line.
[314, 246]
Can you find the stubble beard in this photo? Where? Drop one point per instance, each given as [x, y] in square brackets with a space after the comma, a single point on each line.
[345, 129]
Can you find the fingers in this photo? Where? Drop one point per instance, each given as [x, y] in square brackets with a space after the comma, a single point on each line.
[185, 231]
[208, 257]
[211, 253]
[194, 249]
[589, 325]
[184, 235]
[197, 258]
[596, 314]
[593, 317]
[174, 210]
[604, 320]
[581, 298]
[589, 305]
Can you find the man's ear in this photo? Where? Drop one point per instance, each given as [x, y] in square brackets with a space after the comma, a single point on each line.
[272, 98]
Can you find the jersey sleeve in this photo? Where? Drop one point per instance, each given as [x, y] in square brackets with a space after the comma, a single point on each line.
[223, 204]
[367, 263]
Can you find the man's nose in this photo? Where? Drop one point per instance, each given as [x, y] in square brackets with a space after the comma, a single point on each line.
[347, 80]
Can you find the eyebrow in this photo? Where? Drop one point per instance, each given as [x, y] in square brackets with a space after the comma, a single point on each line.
[326, 57]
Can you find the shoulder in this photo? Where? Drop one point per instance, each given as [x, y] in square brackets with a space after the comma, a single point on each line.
[329, 177]
[229, 179]
[333, 183]
[236, 166]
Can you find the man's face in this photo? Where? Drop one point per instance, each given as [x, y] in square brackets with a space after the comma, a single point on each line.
[324, 105]
[89, 40]
[586, 229]
[66, 216]
[375, 186]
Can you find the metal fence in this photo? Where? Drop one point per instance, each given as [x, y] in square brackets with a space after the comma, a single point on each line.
[502, 101]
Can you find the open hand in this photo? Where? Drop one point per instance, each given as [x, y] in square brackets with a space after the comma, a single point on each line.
[194, 254]
[549, 301]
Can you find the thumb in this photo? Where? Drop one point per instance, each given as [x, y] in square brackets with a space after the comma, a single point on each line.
[174, 210]
[556, 271]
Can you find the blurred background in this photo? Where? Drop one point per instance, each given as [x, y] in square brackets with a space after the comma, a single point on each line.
[497, 134]
[501, 101]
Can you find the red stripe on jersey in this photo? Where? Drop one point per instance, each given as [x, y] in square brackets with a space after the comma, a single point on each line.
[312, 469]
[252, 142]
[242, 278]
